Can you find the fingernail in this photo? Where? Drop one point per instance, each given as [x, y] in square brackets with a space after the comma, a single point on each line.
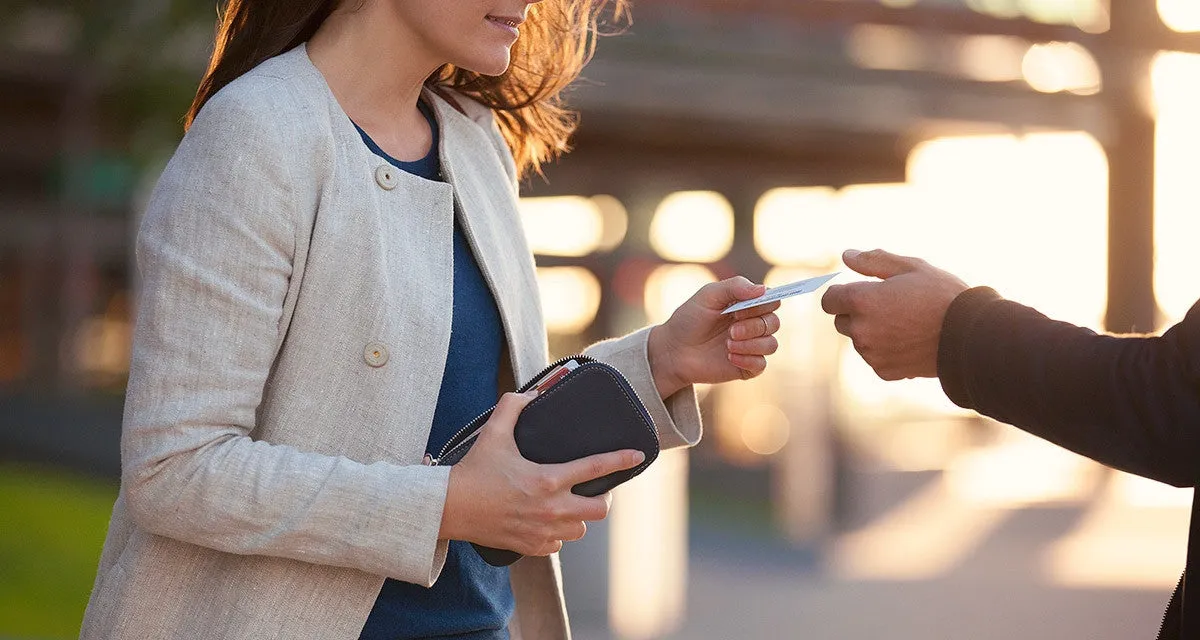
[850, 254]
[639, 457]
[532, 393]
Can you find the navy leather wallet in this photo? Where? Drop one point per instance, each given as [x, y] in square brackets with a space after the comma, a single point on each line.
[583, 407]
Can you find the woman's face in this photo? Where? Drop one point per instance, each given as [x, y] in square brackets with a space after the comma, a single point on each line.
[470, 34]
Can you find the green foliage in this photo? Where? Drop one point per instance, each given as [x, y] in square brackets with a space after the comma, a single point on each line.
[54, 526]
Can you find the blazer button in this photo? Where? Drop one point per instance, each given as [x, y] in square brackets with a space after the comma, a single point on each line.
[385, 175]
[375, 354]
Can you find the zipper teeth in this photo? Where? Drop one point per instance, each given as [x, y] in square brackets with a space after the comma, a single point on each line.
[471, 426]
[649, 423]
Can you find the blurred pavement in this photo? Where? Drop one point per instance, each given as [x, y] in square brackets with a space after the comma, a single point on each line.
[1100, 568]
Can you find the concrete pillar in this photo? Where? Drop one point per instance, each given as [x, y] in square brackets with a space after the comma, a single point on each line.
[1131, 302]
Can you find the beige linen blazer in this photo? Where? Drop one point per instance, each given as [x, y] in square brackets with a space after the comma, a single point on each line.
[292, 328]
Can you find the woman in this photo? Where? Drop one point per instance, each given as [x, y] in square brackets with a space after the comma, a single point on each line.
[334, 278]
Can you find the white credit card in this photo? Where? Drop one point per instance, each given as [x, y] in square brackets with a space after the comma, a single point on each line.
[783, 291]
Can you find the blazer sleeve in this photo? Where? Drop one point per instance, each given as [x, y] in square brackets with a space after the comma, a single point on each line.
[215, 253]
[677, 418]
[1131, 402]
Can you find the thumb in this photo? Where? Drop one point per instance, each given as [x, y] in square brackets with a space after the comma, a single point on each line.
[719, 295]
[877, 263]
[504, 417]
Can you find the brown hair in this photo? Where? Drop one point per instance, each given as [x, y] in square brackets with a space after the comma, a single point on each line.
[556, 41]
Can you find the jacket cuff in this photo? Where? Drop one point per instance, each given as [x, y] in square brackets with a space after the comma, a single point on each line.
[676, 418]
[424, 554]
[953, 362]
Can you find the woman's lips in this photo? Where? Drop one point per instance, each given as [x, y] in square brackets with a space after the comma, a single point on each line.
[511, 25]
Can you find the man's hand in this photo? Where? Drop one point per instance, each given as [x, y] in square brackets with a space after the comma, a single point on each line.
[896, 323]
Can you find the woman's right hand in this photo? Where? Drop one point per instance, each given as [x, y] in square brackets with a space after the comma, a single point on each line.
[499, 499]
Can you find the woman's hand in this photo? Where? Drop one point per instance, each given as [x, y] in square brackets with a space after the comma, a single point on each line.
[698, 344]
[499, 499]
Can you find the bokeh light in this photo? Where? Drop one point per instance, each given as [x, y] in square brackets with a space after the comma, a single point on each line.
[562, 226]
[669, 286]
[1091, 16]
[992, 58]
[1056, 67]
[570, 298]
[615, 221]
[795, 226]
[1180, 15]
[764, 429]
[692, 226]
[873, 46]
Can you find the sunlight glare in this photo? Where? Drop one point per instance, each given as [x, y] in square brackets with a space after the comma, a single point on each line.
[998, 211]
[1176, 82]
[923, 538]
[1022, 470]
[1096, 553]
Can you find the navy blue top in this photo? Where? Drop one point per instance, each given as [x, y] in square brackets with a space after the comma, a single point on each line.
[471, 599]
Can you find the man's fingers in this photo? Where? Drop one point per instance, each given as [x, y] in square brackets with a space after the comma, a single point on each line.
[842, 322]
[844, 298]
[598, 466]
[878, 263]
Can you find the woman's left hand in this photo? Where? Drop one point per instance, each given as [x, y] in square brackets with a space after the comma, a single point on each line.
[698, 344]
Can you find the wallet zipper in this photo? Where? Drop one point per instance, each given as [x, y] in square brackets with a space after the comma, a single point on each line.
[471, 429]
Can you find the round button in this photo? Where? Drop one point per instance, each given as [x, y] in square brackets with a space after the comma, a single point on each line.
[385, 175]
[375, 354]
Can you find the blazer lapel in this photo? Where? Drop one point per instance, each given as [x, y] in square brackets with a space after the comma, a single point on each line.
[486, 208]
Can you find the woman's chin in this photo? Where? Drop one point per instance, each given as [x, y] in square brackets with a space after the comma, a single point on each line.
[489, 66]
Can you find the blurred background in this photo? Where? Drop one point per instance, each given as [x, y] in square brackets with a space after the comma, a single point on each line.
[1044, 147]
